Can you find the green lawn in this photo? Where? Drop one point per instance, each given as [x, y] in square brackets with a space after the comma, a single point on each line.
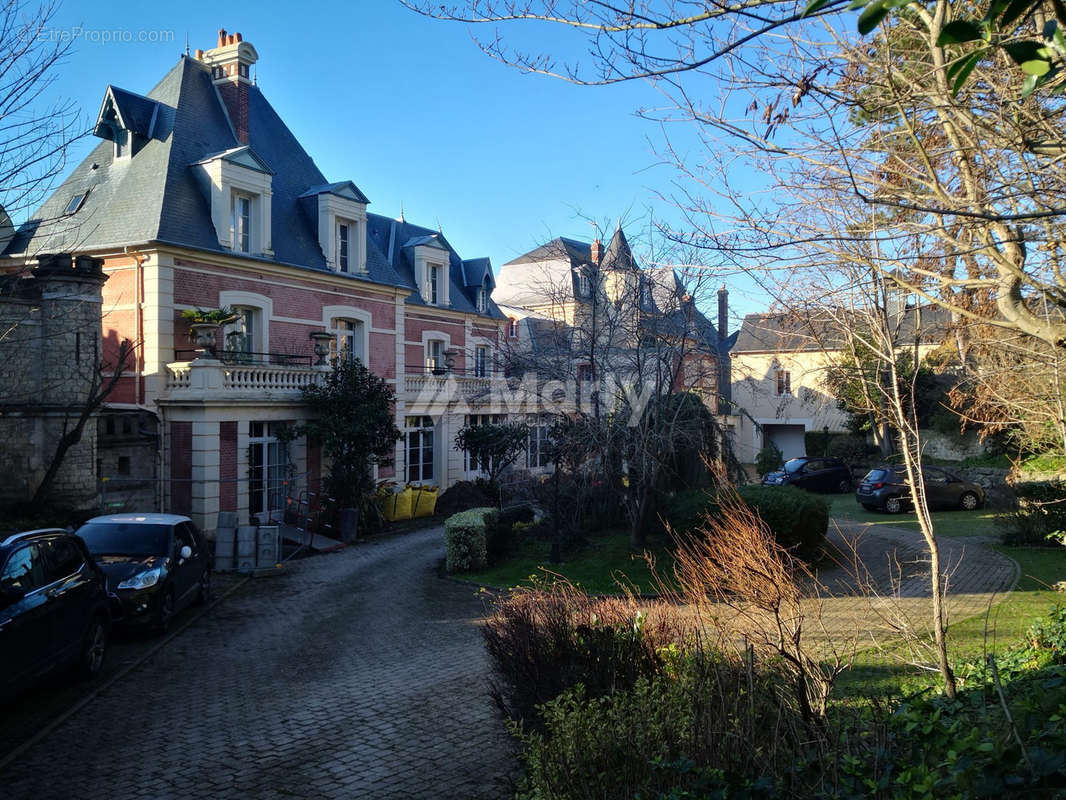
[1003, 626]
[945, 523]
[597, 567]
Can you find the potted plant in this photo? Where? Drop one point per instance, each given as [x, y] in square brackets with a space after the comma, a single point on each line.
[204, 325]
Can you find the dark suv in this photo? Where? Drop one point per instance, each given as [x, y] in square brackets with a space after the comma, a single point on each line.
[814, 473]
[53, 607]
[886, 489]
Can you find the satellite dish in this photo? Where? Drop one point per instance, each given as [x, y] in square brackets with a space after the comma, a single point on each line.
[7, 230]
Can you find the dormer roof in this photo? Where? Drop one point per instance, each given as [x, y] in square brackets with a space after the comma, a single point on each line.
[476, 270]
[132, 112]
[243, 156]
[345, 189]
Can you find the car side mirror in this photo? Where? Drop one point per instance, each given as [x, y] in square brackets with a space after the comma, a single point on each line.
[186, 552]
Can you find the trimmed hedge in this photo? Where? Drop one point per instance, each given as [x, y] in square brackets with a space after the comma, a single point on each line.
[1041, 511]
[798, 519]
[464, 539]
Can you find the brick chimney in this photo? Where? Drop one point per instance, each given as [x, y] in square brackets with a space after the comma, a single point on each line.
[230, 64]
[597, 253]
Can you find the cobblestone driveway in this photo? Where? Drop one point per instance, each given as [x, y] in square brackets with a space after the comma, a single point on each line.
[355, 675]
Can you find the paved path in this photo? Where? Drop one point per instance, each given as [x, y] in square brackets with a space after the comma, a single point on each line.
[358, 675]
[896, 565]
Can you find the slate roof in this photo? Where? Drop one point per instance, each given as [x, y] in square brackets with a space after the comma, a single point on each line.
[618, 254]
[790, 333]
[551, 269]
[154, 196]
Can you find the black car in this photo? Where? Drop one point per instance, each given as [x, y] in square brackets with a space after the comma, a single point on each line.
[816, 474]
[53, 608]
[156, 565]
[886, 489]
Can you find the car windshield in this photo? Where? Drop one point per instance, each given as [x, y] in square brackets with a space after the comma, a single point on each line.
[125, 538]
[875, 475]
[795, 464]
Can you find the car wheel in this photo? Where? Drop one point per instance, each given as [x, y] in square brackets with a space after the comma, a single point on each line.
[893, 505]
[844, 487]
[93, 648]
[203, 594]
[969, 501]
[165, 612]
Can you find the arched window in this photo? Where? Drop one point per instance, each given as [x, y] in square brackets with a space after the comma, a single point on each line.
[512, 329]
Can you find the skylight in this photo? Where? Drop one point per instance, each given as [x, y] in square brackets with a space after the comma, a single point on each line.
[75, 203]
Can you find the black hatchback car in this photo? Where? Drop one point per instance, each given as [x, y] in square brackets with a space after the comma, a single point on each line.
[886, 489]
[156, 565]
[816, 474]
[53, 608]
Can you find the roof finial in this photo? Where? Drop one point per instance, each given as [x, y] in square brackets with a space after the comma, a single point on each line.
[618, 227]
[186, 44]
[401, 211]
[439, 230]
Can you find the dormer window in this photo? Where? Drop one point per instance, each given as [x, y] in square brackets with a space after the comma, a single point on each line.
[433, 284]
[483, 298]
[344, 230]
[241, 222]
[512, 329]
[238, 185]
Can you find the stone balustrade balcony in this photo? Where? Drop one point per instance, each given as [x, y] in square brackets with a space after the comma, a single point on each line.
[208, 379]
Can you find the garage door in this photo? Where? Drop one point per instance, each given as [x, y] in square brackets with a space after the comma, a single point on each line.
[788, 438]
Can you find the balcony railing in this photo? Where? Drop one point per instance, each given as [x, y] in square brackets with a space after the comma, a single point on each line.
[426, 381]
[244, 357]
[214, 379]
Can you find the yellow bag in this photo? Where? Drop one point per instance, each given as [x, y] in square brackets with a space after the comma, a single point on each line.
[398, 506]
[426, 503]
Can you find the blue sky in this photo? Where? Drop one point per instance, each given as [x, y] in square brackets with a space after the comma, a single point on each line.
[411, 111]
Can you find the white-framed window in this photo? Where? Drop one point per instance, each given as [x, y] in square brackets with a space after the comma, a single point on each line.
[419, 432]
[537, 450]
[645, 292]
[435, 355]
[584, 284]
[512, 328]
[241, 336]
[586, 373]
[473, 420]
[783, 383]
[241, 206]
[434, 284]
[483, 297]
[481, 361]
[347, 344]
[344, 246]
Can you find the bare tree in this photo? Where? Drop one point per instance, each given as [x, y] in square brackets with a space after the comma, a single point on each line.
[102, 380]
[638, 363]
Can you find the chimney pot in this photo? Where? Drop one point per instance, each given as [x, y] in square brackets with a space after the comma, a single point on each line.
[238, 37]
[221, 37]
[199, 55]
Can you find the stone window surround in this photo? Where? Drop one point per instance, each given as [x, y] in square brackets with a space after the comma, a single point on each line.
[265, 305]
[330, 313]
[332, 212]
[424, 257]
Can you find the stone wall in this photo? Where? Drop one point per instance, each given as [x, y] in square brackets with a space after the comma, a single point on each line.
[49, 358]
